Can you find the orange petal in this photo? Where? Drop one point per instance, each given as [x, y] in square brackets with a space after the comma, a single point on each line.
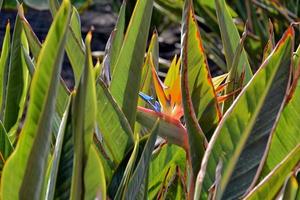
[159, 87]
[172, 73]
[227, 96]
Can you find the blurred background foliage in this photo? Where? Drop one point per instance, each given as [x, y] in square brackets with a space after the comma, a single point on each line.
[257, 13]
[263, 17]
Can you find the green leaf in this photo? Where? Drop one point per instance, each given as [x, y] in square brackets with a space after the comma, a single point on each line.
[127, 172]
[17, 78]
[113, 125]
[33, 41]
[94, 178]
[191, 81]
[270, 43]
[29, 62]
[118, 37]
[167, 157]
[271, 184]
[146, 73]
[126, 77]
[230, 38]
[142, 169]
[74, 46]
[234, 79]
[4, 60]
[176, 188]
[61, 168]
[199, 80]
[241, 138]
[35, 47]
[31, 154]
[88, 179]
[286, 135]
[290, 188]
[6, 147]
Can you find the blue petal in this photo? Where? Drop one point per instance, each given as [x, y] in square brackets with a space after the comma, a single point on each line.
[151, 101]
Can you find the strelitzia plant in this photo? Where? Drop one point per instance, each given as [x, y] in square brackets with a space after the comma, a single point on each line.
[100, 141]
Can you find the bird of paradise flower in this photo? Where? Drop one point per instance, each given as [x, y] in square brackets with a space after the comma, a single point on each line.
[169, 105]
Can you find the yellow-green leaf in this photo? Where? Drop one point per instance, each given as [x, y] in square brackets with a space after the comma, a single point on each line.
[31, 154]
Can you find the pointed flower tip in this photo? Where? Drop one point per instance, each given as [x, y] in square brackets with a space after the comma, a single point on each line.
[290, 31]
[88, 37]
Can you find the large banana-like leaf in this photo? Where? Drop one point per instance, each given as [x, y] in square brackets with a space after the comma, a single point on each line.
[118, 37]
[230, 38]
[239, 143]
[17, 78]
[120, 183]
[290, 187]
[191, 81]
[127, 73]
[33, 41]
[138, 183]
[58, 184]
[113, 125]
[35, 48]
[176, 189]
[270, 185]
[32, 150]
[167, 158]
[74, 46]
[113, 47]
[146, 73]
[200, 84]
[3, 67]
[286, 135]
[88, 179]
[234, 80]
[6, 147]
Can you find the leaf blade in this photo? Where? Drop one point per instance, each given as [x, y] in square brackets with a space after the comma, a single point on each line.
[127, 73]
[29, 178]
[227, 146]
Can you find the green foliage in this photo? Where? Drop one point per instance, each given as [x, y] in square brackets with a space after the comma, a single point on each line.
[100, 141]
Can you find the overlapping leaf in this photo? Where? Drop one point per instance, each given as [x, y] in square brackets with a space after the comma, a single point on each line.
[230, 39]
[194, 79]
[167, 158]
[17, 78]
[146, 73]
[33, 147]
[138, 183]
[74, 41]
[199, 80]
[4, 61]
[88, 179]
[59, 182]
[241, 138]
[127, 73]
[271, 184]
[116, 131]
[286, 135]
[6, 147]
